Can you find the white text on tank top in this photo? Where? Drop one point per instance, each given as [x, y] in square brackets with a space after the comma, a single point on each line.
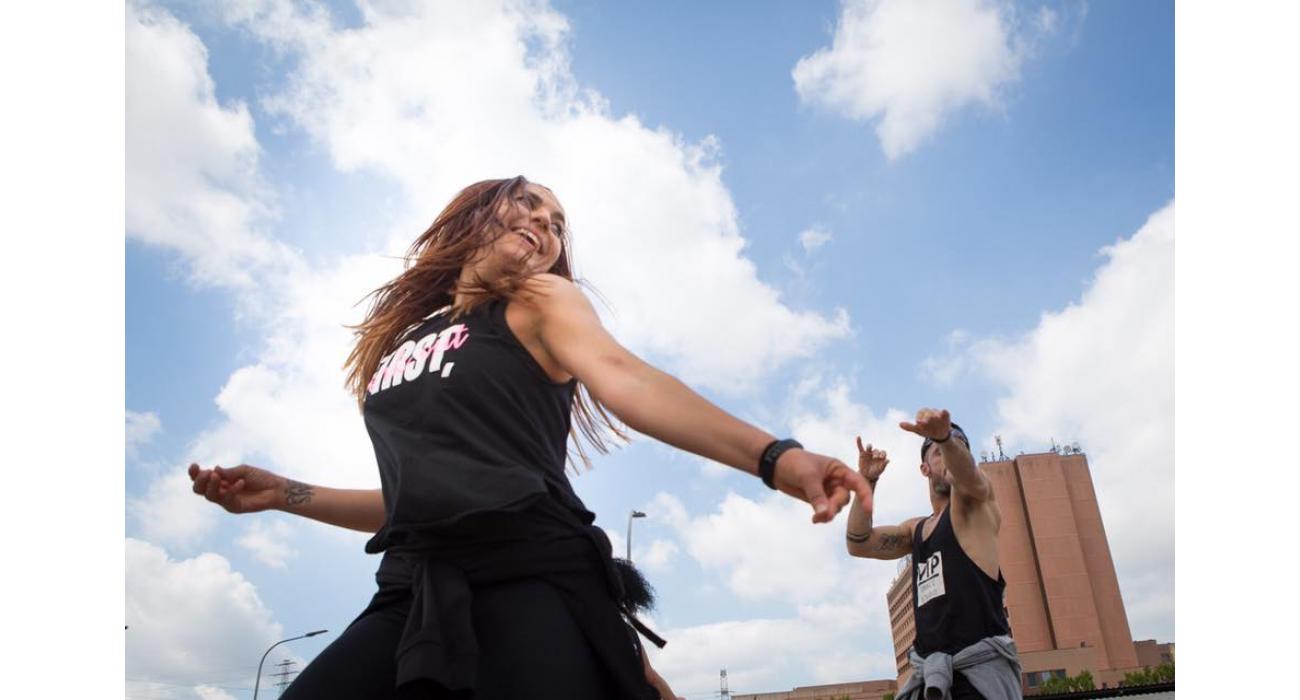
[409, 360]
[929, 579]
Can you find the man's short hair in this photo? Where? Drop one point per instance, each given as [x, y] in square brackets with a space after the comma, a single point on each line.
[957, 432]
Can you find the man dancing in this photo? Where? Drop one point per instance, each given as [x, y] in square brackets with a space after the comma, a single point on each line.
[963, 647]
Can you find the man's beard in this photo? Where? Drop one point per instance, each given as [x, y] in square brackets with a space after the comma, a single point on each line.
[942, 487]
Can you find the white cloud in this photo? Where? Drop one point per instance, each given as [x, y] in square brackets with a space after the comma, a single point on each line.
[140, 429]
[813, 238]
[1100, 371]
[192, 181]
[289, 411]
[910, 64]
[766, 550]
[268, 542]
[170, 513]
[190, 622]
[658, 557]
[757, 653]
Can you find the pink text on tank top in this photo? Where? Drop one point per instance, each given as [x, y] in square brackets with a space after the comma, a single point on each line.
[408, 361]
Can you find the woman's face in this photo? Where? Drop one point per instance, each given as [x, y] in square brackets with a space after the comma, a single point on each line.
[534, 227]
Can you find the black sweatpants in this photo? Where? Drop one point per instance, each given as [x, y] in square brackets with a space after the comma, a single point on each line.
[529, 647]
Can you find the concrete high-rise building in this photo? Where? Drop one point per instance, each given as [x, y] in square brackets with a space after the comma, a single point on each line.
[1062, 596]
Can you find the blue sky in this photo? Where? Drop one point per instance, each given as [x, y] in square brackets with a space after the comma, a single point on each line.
[1011, 261]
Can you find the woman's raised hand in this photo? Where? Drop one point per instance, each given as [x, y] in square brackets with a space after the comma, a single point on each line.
[241, 489]
[819, 480]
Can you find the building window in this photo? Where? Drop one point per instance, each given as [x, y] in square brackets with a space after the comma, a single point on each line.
[1036, 678]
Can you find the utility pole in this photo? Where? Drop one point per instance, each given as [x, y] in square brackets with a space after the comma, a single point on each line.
[286, 671]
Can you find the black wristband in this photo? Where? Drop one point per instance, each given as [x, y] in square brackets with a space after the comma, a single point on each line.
[945, 438]
[771, 453]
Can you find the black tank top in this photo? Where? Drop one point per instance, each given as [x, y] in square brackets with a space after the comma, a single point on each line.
[463, 421]
[955, 602]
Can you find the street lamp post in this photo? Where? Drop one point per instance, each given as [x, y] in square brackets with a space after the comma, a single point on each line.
[633, 514]
[257, 683]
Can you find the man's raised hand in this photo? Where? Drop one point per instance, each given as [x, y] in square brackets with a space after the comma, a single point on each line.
[931, 423]
[871, 462]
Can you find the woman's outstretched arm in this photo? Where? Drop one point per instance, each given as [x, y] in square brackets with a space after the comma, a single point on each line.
[657, 404]
[248, 489]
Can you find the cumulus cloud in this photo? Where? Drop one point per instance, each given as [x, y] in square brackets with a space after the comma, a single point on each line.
[1100, 371]
[191, 621]
[170, 513]
[821, 653]
[192, 181]
[140, 429]
[268, 542]
[908, 65]
[766, 551]
[289, 411]
[658, 557]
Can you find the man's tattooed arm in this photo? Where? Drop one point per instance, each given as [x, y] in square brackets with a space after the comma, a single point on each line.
[298, 493]
[885, 542]
[859, 529]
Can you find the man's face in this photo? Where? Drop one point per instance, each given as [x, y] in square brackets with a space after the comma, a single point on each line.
[934, 469]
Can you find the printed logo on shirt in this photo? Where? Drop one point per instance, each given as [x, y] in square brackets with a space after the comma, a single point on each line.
[929, 579]
[412, 358]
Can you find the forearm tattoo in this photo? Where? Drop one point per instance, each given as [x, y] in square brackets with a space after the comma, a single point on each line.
[298, 493]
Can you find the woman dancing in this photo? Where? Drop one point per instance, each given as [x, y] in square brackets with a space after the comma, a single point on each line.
[472, 369]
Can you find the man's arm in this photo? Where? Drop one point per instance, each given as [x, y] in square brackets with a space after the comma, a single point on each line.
[883, 542]
[967, 479]
[861, 537]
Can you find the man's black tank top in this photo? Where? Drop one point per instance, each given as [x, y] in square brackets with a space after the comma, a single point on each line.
[463, 420]
[955, 602]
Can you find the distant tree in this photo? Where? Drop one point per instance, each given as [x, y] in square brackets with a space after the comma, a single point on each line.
[1164, 673]
[1142, 677]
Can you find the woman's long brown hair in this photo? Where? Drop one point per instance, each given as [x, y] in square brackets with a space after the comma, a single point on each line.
[431, 280]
